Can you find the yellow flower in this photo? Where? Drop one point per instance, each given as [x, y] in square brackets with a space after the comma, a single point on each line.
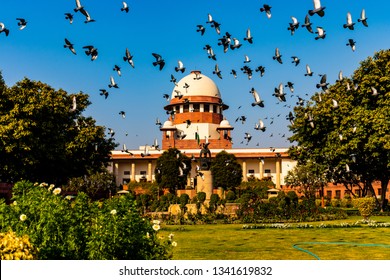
[51, 187]
[57, 191]
[15, 203]
[156, 227]
[113, 212]
[174, 243]
[23, 217]
[157, 222]
[170, 236]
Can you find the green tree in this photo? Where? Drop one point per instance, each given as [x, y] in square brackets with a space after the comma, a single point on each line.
[172, 169]
[226, 171]
[307, 178]
[345, 129]
[44, 138]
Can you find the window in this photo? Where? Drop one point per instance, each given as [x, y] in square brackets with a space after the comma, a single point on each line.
[177, 109]
[142, 172]
[251, 171]
[380, 191]
[206, 108]
[125, 181]
[196, 107]
[214, 108]
[338, 194]
[329, 194]
[267, 171]
[186, 108]
[126, 172]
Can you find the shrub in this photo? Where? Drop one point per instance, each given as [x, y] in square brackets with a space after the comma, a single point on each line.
[365, 205]
[77, 228]
[13, 247]
[230, 196]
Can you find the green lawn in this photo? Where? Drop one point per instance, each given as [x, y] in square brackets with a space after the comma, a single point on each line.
[232, 242]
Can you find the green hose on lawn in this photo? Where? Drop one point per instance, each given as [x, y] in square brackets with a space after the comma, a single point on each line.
[295, 246]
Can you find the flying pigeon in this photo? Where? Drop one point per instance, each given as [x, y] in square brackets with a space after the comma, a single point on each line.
[217, 71]
[104, 92]
[3, 29]
[87, 16]
[125, 7]
[22, 23]
[112, 83]
[308, 71]
[349, 23]
[111, 132]
[323, 84]
[159, 61]
[156, 145]
[117, 69]
[234, 73]
[248, 137]
[247, 60]
[123, 114]
[69, 45]
[267, 9]
[91, 51]
[363, 18]
[236, 44]
[277, 56]
[308, 24]
[173, 80]
[248, 37]
[69, 17]
[321, 33]
[279, 93]
[146, 151]
[260, 125]
[318, 9]
[128, 57]
[158, 122]
[351, 43]
[295, 60]
[256, 96]
[125, 150]
[200, 29]
[290, 85]
[293, 26]
[180, 67]
[260, 69]
[290, 117]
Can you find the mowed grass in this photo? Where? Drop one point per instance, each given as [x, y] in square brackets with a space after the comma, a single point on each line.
[232, 242]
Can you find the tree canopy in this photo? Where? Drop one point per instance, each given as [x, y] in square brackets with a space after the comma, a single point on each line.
[172, 169]
[346, 127]
[226, 171]
[44, 137]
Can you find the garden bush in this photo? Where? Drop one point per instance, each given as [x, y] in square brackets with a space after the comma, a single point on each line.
[13, 247]
[77, 228]
[365, 205]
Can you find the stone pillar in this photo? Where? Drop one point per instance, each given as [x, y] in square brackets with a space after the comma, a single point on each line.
[132, 178]
[244, 171]
[149, 178]
[116, 173]
[278, 172]
[205, 183]
[261, 169]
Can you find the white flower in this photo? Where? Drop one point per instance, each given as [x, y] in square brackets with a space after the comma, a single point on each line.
[170, 236]
[147, 235]
[51, 187]
[68, 197]
[113, 212]
[15, 203]
[156, 227]
[23, 217]
[156, 222]
[57, 191]
[43, 184]
[174, 243]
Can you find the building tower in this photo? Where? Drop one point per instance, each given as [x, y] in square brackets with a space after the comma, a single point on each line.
[196, 115]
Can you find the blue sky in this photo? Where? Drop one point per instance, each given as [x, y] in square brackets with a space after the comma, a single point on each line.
[169, 29]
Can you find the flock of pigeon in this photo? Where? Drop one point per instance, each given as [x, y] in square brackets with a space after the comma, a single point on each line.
[228, 43]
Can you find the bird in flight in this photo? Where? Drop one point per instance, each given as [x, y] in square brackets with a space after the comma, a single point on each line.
[352, 44]
[104, 93]
[217, 71]
[349, 24]
[69, 45]
[277, 56]
[180, 67]
[308, 24]
[125, 7]
[248, 37]
[117, 69]
[113, 83]
[159, 61]
[293, 25]
[363, 18]
[3, 29]
[321, 33]
[123, 114]
[69, 17]
[267, 9]
[200, 29]
[256, 96]
[91, 51]
[318, 9]
[22, 23]
[128, 57]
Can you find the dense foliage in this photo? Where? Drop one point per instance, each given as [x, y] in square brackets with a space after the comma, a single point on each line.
[344, 130]
[172, 168]
[226, 171]
[45, 137]
[76, 228]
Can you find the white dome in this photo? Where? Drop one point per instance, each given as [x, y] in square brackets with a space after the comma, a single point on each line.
[168, 125]
[198, 85]
[225, 124]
